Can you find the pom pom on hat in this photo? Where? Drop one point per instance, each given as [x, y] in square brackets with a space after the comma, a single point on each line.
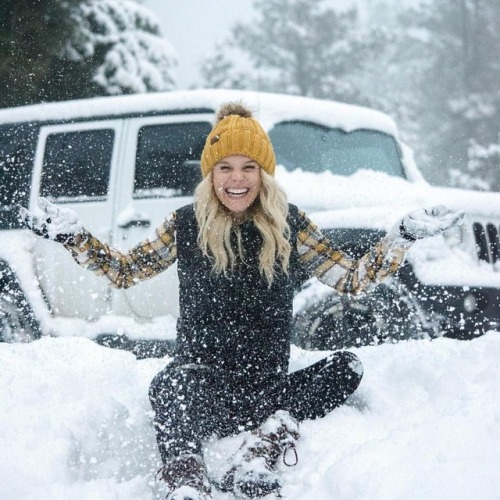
[233, 108]
[237, 132]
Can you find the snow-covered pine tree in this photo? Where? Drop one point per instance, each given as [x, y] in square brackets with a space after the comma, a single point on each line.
[220, 71]
[458, 103]
[52, 50]
[124, 41]
[32, 35]
[296, 47]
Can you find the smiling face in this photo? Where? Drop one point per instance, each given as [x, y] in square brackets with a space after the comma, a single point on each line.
[237, 183]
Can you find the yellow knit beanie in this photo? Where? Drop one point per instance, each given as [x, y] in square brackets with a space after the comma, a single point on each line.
[236, 132]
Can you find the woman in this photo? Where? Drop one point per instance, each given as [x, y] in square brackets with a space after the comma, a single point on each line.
[241, 251]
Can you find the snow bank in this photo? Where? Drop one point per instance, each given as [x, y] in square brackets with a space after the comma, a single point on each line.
[75, 422]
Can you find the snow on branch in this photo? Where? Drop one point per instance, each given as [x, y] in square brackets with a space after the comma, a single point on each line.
[126, 40]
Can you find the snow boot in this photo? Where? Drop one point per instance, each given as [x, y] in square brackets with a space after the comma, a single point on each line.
[252, 470]
[186, 478]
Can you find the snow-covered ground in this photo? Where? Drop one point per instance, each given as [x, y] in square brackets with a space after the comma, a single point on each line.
[75, 423]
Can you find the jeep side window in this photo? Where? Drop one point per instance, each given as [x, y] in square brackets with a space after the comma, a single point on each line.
[167, 160]
[316, 148]
[17, 152]
[77, 165]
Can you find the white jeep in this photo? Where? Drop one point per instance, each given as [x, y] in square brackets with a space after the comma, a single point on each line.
[124, 163]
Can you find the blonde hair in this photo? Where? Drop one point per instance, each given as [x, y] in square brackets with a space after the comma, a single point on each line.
[268, 213]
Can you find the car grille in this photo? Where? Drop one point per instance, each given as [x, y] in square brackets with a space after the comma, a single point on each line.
[487, 242]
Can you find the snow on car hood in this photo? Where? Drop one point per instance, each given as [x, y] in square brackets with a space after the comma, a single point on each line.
[369, 199]
[374, 200]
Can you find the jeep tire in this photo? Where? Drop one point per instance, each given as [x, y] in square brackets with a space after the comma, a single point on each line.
[388, 314]
[17, 320]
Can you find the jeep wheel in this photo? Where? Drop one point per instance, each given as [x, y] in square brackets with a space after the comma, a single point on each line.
[17, 320]
[387, 314]
[14, 326]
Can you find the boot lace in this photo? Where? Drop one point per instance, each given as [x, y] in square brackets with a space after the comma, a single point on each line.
[186, 470]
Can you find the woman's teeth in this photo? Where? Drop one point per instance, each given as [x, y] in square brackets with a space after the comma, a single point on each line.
[237, 192]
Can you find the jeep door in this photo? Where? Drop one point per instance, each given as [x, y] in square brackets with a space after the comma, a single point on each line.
[164, 153]
[76, 166]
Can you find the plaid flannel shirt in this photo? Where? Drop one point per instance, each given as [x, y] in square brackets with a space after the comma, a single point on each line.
[319, 256]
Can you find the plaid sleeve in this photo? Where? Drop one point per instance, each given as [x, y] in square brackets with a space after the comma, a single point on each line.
[123, 270]
[331, 266]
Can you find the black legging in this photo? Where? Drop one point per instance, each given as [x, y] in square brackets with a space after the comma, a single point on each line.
[193, 402]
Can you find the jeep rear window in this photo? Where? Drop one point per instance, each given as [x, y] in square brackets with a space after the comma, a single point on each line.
[167, 161]
[315, 148]
[76, 165]
[17, 152]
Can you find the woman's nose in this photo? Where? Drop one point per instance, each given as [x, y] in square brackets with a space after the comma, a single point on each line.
[237, 175]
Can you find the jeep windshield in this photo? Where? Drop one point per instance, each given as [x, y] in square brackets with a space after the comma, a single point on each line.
[315, 148]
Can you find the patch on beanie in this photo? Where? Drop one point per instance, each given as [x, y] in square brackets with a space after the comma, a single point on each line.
[233, 108]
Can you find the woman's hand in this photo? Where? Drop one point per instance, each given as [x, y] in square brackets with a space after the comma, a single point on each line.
[58, 224]
[424, 223]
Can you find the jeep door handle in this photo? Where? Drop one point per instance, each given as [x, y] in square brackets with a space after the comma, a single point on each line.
[135, 223]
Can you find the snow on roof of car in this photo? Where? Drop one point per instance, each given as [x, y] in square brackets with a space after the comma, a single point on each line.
[267, 108]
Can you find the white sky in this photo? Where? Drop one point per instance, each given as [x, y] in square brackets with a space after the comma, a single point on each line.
[195, 26]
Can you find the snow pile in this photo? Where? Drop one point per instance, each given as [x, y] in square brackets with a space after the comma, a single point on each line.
[75, 422]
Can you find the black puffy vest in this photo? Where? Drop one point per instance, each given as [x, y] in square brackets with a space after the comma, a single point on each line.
[235, 322]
